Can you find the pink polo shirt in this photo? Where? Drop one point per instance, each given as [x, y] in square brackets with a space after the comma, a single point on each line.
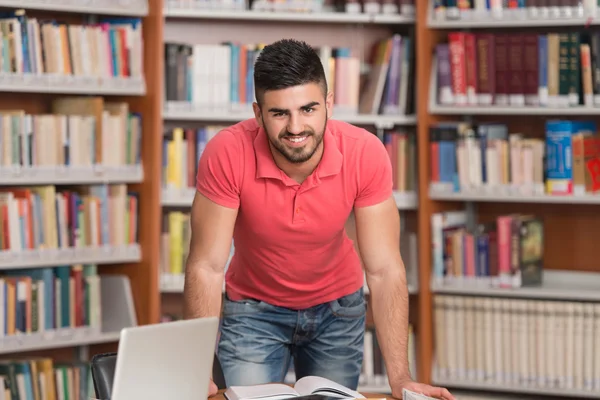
[291, 248]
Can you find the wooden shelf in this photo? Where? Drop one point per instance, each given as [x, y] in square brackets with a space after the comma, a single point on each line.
[186, 112]
[68, 84]
[516, 19]
[78, 255]
[64, 175]
[286, 16]
[510, 195]
[184, 197]
[557, 285]
[170, 283]
[133, 8]
[54, 340]
[559, 393]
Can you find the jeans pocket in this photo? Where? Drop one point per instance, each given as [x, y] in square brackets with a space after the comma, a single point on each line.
[349, 306]
[245, 306]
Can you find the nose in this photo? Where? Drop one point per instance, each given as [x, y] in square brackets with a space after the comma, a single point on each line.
[295, 125]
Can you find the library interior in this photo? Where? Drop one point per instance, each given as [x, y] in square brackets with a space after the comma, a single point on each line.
[98, 246]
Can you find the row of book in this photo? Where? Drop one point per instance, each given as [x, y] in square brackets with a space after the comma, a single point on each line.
[112, 47]
[43, 300]
[401, 148]
[518, 343]
[507, 251]
[43, 378]
[519, 69]
[44, 217]
[485, 158]
[220, 77]
[175, 243]
[182, 149]
[404, 7]
[468, 9]
[80, 131]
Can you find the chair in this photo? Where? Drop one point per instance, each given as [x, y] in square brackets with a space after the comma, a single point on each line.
[103, 373]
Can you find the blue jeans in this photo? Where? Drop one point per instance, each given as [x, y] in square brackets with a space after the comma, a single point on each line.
[258, 340]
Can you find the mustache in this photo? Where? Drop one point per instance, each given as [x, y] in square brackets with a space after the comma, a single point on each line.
[288, 134]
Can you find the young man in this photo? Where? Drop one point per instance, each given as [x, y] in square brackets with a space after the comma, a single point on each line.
[283, 185]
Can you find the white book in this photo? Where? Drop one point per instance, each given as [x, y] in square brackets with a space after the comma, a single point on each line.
[532, 340]
[596, 347]
[309, 385]
[579, 348]
[569, 345]
[410, 395]
[588, 345]
[550, 346]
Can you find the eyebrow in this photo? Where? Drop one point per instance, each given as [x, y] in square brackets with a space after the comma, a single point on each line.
[282, 110]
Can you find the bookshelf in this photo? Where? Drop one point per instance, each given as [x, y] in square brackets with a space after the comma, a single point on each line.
[80, 129]
[506, 339]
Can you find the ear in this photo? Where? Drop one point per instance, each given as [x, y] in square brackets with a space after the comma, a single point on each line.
[329, 104]
[257, 116]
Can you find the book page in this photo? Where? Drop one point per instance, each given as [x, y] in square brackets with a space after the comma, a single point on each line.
[274, 391]
[410, 395]
[317, 385]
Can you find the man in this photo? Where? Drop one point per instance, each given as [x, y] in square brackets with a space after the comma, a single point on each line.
[283, 185]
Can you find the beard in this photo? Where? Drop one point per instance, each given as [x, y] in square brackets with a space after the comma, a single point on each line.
[300, 154]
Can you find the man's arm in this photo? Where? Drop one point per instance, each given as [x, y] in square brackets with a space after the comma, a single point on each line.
[378, 236]
[212, 231]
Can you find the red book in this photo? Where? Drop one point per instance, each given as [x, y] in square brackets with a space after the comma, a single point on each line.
[458, 67]
[471, 68]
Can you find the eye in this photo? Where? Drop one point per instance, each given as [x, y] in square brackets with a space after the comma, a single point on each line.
[309, 110]
[278, 114]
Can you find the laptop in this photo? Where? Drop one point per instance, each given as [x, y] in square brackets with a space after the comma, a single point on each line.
[171, 360]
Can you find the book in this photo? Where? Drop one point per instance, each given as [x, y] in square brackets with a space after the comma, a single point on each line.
[410, 395]
[309, 385]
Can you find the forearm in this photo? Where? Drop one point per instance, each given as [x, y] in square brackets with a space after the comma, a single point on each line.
[202, 292]
[389, 300]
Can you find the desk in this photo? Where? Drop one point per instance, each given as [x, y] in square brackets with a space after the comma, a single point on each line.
[221, 396]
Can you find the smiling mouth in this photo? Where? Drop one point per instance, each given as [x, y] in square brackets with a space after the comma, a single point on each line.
[296, 140]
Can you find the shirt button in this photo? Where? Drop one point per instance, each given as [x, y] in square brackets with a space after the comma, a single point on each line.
[298, 210]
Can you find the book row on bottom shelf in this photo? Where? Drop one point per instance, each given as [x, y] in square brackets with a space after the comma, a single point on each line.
[43, 378]
[489, 159]
[79, 132]
[50, 218]
[219, 76]
[183, 147]
[517, 343]
[543, 70]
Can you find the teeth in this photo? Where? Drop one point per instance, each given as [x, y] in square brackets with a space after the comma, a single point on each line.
[296, 139]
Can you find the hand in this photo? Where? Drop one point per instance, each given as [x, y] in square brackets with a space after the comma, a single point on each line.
[212, 388]
[431, 391]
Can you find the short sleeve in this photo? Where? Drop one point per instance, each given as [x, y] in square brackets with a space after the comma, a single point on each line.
[219, 170]
[375, 182]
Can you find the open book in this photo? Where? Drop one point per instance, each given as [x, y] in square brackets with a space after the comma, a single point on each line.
[410, 395]
[309, 385]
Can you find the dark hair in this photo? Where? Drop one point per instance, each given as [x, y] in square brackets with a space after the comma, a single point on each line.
[286, 63]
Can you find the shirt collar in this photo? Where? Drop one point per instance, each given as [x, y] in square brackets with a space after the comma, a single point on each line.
[330, 164]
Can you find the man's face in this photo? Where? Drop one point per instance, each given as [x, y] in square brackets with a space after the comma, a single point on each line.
[294, 120]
